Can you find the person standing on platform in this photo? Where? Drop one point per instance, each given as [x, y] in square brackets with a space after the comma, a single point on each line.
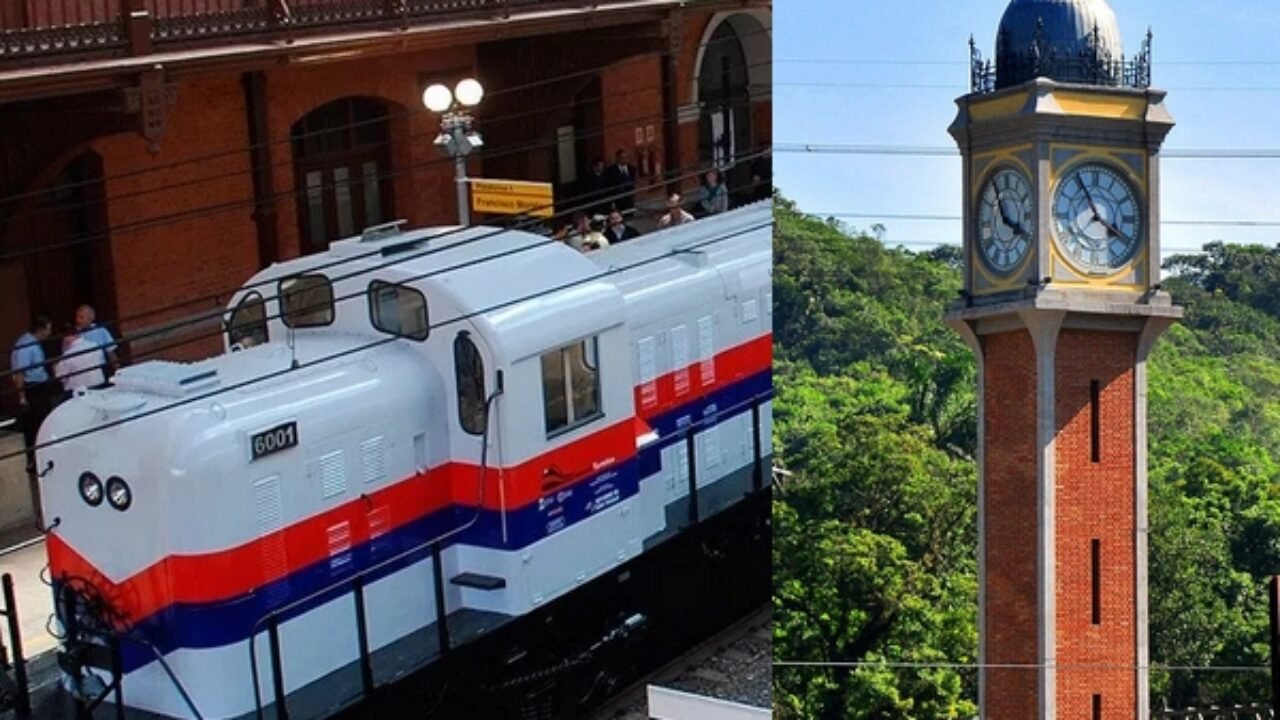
[94, 334]
[79, 366]
[622, 177]
[36, 394]
[715, 196]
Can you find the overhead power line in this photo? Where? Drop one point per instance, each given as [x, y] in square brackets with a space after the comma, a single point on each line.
[288, 163]
[942, 151]
[613, 270]
[965, 63]
[1020, 666]
[226, 207]
[589, 200]
[961, 86]
[957, 218]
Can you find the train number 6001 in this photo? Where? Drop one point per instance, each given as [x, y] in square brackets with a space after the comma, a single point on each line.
[281, 437]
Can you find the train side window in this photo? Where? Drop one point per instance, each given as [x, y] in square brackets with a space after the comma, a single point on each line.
[571, 386]
[398, 310]
[306, 301]
[468, 368]
[248, 324]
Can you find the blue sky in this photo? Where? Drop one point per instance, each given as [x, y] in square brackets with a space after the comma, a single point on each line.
[912, 105]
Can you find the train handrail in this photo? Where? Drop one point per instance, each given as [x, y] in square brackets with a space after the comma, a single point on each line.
[356, 583]
[22, 691]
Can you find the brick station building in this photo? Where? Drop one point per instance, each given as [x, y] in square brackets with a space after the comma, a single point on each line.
[158, 152]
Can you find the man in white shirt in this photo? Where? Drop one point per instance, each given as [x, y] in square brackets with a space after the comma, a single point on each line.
[96, 334]
[676, 215]
[79, 366]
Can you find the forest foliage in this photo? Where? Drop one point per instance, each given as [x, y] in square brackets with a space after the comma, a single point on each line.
[875, 528]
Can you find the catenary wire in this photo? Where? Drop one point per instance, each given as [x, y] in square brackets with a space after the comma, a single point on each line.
[170, 327]
[942, 151]
[600, 131]
[1018, 666]
[201, 212]
[403, 114]
[877, 61]
[288, 163]
[957, 218]
[591, 200]
[297, 192]
[959, 86]
[613, 270]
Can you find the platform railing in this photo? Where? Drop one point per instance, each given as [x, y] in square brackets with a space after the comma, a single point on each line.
[43, 32]
[356, 583]
[20, 701]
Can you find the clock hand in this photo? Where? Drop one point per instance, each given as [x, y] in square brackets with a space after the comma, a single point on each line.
[1111, 228]
[1088, 197]
[1004, 215]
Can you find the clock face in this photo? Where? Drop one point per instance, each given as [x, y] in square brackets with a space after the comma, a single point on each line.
[1097, 218]
[1006, 220]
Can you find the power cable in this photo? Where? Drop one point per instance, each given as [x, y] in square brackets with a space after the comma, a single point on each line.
[403, 114]
[942, 151]
[957, 218]
[959, 86]
[1021, 666]
[613, 270]
[592, 200]
[296, 192]
[965, 63]
[286, 164]
[199, 212]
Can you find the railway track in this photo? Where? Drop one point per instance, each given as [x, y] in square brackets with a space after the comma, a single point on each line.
[707, 668]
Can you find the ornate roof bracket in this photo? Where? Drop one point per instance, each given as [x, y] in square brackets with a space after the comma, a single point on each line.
[150, 100]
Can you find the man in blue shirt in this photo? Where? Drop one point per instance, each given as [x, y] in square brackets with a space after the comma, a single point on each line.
[31, 379]
[98, 335]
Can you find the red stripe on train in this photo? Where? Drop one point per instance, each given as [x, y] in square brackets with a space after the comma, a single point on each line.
[698, 379]
[214, 576]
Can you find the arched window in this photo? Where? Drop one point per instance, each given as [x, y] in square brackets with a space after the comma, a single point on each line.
[724, 91]
[248, 324]
[342, 154]
[468, 369]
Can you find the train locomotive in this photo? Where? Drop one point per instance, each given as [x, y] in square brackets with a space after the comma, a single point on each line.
[436, 432]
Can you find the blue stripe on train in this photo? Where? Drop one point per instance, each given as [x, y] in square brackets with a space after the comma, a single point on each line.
[209, 625]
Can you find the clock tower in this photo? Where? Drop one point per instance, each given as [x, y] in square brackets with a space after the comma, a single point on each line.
[1060, 139]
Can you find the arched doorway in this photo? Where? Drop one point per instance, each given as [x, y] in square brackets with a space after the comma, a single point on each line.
[732, 74]
[342, 162]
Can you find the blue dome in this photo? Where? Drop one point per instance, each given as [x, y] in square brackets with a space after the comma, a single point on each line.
[1067, 40]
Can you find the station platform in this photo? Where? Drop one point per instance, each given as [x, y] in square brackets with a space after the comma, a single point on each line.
[25, 562]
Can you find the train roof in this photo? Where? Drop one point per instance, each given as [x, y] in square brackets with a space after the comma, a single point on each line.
[529, 291]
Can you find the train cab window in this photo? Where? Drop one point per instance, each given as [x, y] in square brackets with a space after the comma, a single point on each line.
[248, 324]
[571, 386]
[468, 369]
[306, 301]
[398, 310]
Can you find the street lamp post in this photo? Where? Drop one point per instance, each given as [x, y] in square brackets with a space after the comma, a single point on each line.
[456, 138]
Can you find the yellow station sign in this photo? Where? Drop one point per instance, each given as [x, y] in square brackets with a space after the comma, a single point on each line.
[512, 197]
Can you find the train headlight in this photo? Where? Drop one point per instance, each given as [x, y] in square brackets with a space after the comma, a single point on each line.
[90, 489]
[118, 493]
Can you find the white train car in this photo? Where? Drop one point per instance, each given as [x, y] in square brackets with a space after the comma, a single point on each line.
[469, 423]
